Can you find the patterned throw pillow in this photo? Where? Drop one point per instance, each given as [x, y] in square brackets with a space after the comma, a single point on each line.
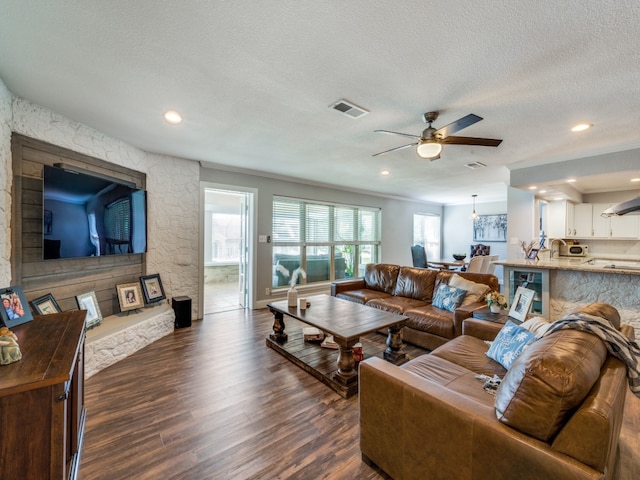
[509, 343]
[448, 298]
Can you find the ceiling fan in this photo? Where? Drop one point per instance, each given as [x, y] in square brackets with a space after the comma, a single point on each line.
[429, 144]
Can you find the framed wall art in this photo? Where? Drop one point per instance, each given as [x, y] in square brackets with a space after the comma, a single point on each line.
[129, 296]
[45, 305]
[89, 302]
[521, 303]
[490, 228]
[152, 288]
[15, 309]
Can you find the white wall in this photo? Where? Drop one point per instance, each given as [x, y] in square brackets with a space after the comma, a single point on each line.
[458, 230]
[172, 186]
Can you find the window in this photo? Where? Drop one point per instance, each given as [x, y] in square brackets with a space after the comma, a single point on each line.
[426, 232]
[328, 241]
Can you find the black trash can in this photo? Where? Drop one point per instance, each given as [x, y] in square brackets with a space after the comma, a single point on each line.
[182, 308]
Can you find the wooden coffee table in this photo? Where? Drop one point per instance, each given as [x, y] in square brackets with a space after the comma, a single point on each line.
[347, 322]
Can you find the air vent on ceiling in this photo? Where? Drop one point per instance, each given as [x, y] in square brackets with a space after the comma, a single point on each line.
[474, 165]
[349, 109]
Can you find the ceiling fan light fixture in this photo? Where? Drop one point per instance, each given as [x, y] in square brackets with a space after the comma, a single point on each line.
[429, 149]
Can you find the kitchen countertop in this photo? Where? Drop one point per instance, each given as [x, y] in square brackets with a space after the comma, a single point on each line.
[579, 264]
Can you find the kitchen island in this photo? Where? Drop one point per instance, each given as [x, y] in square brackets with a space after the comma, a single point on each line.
[565, 284]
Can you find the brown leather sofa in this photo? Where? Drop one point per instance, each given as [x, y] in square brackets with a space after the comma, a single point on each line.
[409, 291]
[556, 415]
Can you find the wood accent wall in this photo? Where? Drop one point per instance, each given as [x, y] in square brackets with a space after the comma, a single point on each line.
[63, 278]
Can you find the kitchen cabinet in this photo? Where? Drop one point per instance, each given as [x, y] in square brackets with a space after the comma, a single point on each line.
[535, 279]
[560, 223]
[589, 223]
[42, 410]
[583, 220]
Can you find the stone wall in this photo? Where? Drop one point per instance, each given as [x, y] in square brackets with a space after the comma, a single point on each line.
[5, 186]
[570, 290]
[172, 186]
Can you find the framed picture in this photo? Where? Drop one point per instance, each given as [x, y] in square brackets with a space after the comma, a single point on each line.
[89, 302]
[15, 309]
[45, 305]
[129, 296]
[533, 254]
[152, 288]
[521, 303]
[490, 228]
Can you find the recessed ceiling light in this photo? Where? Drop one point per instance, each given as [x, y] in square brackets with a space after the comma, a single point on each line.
[172, 117]
[581, 127]
[533, 187]
[558, 198]
[384, 172]
[542, 191]
[571, 180]
[635, 179]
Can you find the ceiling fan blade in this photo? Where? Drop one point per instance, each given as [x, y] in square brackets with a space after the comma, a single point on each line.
[485, 142]
[456, 126]
[397, 133]
[394, 149]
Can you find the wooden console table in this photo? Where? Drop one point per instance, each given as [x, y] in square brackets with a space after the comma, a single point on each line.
[42, 413]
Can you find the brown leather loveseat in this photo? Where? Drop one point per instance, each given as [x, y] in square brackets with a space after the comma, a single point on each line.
[556, 415]
[410, 291]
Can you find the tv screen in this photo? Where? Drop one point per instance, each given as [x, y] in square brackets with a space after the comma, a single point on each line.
[91, 216]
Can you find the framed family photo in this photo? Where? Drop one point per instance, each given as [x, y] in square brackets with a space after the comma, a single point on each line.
[89, 302]
[152, 288]
[129, 296]
[45, 305]
[15, 310]
[521, 303]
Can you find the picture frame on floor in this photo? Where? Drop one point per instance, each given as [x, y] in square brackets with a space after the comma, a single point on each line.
[152, 288]
[15, 309]
[88, 301]
[45, 305]
[521, 305]
[129, 296]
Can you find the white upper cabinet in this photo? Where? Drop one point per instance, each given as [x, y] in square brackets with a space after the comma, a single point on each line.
[583, 221]
[560, 223]
[589, 223]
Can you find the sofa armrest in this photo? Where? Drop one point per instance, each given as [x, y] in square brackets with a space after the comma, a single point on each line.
[462, 313]
[346, 285]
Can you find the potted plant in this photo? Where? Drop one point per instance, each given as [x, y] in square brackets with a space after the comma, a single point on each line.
[496, 301]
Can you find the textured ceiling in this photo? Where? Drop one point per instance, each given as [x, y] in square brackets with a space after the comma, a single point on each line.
[254, 81]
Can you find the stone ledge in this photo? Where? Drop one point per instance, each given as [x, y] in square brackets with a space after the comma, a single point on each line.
[120, 335]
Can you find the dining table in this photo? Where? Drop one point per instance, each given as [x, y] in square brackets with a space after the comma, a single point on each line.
[449, 264]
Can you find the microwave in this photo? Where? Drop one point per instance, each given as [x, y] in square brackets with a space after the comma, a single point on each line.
[574, 250]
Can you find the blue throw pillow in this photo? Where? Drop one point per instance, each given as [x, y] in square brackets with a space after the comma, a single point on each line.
[509, 343]
[448, 298]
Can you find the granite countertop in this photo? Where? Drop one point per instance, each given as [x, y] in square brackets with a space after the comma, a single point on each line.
[579, 264]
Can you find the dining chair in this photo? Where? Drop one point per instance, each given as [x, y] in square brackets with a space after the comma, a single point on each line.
[419, 256]
[476, 264]
[488, 266]
[480, 249]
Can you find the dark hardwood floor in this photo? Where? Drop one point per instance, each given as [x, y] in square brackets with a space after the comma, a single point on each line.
[213, 402]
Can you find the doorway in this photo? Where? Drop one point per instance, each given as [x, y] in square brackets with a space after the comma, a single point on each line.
[226, 249]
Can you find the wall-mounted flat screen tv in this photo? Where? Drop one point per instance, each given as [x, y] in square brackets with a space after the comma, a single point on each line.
[88, 215]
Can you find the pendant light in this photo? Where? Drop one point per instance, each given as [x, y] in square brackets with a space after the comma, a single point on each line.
[474, 215]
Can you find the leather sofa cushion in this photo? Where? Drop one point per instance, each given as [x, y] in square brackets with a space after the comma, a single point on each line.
[430, 319]
[549, 379]
[395, 304]
[416, 283]
[470, 352]
[362, 295]
[454, 377]
[381, 277]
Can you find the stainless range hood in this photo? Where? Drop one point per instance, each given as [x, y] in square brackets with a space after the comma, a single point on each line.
[623, 208]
